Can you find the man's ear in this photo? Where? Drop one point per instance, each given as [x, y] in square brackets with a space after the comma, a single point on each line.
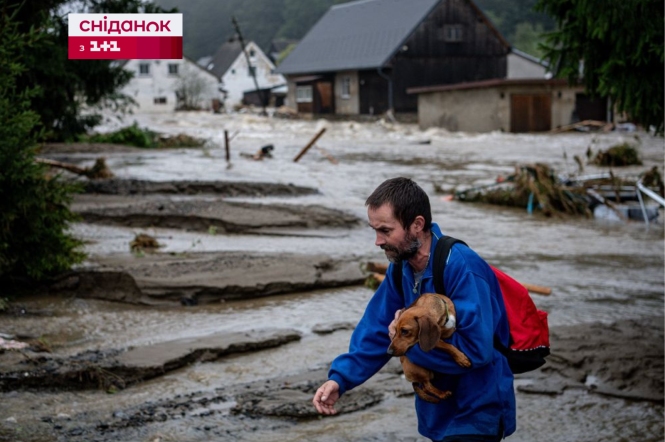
[429, 333]
[418, 224]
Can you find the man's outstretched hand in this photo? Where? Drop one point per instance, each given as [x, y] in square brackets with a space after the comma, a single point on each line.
[325, 398]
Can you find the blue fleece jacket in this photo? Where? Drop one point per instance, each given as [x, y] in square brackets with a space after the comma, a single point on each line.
[483, 395]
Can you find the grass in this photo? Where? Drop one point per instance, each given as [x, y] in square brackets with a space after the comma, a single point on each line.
[144, 138]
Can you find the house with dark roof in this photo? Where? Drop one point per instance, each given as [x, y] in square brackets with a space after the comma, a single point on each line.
[361, 57]
[231, 65]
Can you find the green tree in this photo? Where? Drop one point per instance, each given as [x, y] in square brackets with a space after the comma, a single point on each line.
[34, 212]
[619, 45]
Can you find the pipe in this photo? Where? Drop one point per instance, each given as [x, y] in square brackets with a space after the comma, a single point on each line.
[390, 88]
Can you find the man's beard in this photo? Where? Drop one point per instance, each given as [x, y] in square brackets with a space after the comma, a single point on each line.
[411, 245]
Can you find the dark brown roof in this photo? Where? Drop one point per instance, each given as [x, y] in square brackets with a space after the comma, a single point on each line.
[498, 82]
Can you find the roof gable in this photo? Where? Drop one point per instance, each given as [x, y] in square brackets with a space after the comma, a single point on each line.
[359, 35]
[224, 57]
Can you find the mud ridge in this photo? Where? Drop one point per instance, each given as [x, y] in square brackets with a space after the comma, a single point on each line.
[117, 186]
[202, 278]
[116, 369]
[203, 215]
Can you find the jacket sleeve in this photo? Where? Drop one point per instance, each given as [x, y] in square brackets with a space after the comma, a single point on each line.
[370, 340]
[474, 334]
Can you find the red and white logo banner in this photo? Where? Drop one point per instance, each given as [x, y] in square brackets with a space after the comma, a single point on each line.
[125, 36]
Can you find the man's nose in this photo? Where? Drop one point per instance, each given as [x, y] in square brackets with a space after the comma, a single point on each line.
[380, 240]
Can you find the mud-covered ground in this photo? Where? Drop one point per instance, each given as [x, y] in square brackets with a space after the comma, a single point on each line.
[227, 329]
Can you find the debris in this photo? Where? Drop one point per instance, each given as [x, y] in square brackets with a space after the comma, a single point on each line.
[12, 345]
[537, 289]
[374, 280]
[227, 146]
[310, 144]
[532, 186]
[585, 126]
[620, 155]
[98, 171]
[327, 155]
[264, 152]
[144, 243]
[376, 267]
[180, 140]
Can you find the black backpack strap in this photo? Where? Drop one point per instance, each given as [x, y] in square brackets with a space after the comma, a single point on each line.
[397, 278]
[441, 253]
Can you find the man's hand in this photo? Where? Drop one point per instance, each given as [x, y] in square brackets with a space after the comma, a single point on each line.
[392, 327]
[325, 398]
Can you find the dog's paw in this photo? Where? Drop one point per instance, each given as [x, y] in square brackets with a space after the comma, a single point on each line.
[463, 361]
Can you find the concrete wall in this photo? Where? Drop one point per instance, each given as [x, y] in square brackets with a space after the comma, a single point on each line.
[158, 83]
[520, 67]
[237, 80]
[485, 110]
[350, 105]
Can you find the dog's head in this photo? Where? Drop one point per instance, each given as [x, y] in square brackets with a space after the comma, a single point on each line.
[415, 326]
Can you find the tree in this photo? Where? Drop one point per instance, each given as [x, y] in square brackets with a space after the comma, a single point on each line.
[66, 86]
[190, 88]
[34, 212]
[620, 46]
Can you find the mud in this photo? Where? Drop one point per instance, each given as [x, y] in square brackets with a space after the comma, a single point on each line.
[200, 278]
[116, 369]
[117, 186]
[215, 216]
[273, 408]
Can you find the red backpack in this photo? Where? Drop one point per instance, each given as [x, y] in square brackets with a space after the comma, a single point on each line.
[529, 333]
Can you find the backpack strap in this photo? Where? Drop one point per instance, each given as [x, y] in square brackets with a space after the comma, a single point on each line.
[441, 253]
[397, 278]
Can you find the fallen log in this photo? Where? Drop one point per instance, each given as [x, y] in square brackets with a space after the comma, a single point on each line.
[602, 124]
[309, 145]
[376, 267]
[537, 289]
[98, 171]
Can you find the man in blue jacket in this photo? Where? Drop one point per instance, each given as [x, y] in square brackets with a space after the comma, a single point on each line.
[482, 407]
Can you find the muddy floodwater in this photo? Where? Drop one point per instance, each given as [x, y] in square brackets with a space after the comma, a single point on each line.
[605, 312]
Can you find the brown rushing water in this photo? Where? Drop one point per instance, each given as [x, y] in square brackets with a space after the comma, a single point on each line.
[599, 271]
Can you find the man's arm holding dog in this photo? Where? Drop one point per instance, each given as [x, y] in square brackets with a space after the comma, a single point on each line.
[367, 350]
[474, 336]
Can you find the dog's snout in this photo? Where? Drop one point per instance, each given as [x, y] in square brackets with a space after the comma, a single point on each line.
[390, 351]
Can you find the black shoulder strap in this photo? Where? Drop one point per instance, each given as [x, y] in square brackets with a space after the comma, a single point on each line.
[397, 278]
[441, 252]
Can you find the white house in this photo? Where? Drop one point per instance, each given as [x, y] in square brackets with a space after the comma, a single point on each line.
[230, 64]
[167, 85]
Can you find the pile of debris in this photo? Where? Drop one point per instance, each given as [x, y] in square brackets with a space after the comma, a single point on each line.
[538, 187]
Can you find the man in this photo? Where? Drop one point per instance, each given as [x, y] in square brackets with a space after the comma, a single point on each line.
[482, 407]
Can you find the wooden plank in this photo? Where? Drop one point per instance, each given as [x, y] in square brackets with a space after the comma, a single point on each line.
[310, 144]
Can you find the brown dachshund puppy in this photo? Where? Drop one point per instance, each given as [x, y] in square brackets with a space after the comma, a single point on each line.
[426, 322]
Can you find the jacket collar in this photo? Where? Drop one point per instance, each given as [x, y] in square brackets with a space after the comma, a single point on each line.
[436, 235]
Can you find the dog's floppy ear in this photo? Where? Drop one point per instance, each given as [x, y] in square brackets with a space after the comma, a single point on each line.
[429, 333]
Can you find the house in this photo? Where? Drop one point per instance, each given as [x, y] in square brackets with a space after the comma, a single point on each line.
[361, 57]
[509, 105]
[230, 64]
[168, 85]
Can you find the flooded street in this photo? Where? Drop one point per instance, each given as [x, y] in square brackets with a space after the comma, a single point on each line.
[600, 272]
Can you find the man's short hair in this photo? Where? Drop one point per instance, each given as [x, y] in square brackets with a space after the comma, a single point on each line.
[407, 199]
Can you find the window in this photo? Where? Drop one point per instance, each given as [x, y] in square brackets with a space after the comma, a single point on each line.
[251, 71]
[173, 69]
[160, 100]
[252, 53]
[452, 33]
[144, 69]
[346, 87]
[304, 94]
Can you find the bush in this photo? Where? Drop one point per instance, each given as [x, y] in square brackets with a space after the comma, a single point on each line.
[34, 212]
[130, 136]
[620, 155]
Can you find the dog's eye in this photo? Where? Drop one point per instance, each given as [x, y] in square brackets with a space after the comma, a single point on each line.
[404, 331]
